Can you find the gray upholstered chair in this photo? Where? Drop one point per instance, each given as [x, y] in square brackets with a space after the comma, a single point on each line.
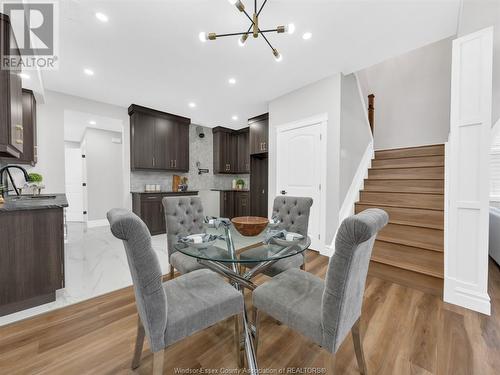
[325, 311]
[177, 308]
[293, 213]
[183, 216]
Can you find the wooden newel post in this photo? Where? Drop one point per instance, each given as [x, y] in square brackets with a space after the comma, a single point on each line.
[371, 110]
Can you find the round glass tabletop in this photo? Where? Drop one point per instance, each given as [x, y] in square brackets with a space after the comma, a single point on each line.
[247, 249]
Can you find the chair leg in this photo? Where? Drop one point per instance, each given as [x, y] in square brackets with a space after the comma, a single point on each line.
[303, 266]
[237, 342]
[158, 362]
[256, 322]
[172, 272]
[358, 348]
[139, 342]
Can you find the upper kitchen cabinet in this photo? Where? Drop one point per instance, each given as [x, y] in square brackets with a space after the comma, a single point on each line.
[11, 127]
[243, 153]
[29, 154]
[225, 148]
[158, 140]
[231, 154]
[259, 134]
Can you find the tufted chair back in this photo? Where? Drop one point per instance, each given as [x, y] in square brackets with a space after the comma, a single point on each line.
[293, 213]
[183, 216]
[146, 273]
[346, 275]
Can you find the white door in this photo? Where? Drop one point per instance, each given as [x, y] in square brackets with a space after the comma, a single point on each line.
[467, 169]
[299, 169]
[74, 180]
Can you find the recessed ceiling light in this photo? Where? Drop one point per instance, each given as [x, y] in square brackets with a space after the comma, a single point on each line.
[235, 118]
[24, 76]
[88, 72]
[192, 105]
[307, 36]
[232, 81]
[101, 17]
[92, 122]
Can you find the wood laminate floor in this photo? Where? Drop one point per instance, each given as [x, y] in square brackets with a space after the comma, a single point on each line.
[405, 332]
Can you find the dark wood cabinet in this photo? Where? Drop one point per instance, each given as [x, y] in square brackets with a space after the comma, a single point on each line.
[158, 140]
[32, 253]
[258, 186]
[227, 204]
[242, 204]
[29, 154]
[11, 127]
[234, 203]
[152, 213]
[231, 151]
[243, 153]
[259, 134]
[149, 207]
[225, 147]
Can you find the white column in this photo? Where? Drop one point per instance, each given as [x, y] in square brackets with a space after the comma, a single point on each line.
[467, 185]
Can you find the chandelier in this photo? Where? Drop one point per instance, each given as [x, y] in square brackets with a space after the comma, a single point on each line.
[253, 30]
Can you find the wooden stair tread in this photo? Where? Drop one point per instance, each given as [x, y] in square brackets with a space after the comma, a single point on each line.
[425, 238]
[416, 200]
[410, 258]
[426, 173]
[405, 186]
[425, 283]
[409, 162]
[431, 150]
[409, 216]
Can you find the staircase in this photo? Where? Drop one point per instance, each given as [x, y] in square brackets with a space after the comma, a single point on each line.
[408, 184]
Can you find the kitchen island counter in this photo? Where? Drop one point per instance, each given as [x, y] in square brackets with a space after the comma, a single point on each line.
[33, 202]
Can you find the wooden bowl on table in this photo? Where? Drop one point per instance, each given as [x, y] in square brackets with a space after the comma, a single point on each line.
[250, 226]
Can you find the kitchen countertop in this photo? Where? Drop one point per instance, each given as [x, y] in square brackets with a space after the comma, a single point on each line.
[237, 190]
[13, 204]
[189, 192]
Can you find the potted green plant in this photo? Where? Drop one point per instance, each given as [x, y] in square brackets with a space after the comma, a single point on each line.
[35, 182]
[240, 184]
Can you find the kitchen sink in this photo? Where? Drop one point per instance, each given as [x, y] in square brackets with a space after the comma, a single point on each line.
[30, 197]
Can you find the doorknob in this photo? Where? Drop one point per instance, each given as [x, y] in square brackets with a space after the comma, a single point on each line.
[283, 192]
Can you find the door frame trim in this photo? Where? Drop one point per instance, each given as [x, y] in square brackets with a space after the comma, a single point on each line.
[322, 120]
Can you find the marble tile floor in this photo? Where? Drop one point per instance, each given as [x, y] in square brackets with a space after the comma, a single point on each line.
[95, 264]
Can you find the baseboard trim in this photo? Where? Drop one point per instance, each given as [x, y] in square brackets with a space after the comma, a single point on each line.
[352, 195]
[470, 299]
[97, 223]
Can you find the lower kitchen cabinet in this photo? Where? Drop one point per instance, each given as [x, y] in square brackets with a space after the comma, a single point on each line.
[234, 203]
[32, 258]
[149, 207]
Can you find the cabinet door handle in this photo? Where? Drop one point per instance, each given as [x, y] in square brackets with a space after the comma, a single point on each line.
[153, 160]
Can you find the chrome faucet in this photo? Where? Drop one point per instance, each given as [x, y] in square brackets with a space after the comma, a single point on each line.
[6, 169]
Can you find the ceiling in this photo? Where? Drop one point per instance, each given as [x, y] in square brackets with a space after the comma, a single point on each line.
[76, 123]
[149, 52]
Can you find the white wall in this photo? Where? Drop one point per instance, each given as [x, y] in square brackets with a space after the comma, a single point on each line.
[50, 132]
[104, 172]
[315, 99]
[355, 133]
[412, 97]
[477, 15]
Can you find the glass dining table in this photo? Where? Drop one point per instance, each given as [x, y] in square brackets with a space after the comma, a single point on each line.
[224, 257]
